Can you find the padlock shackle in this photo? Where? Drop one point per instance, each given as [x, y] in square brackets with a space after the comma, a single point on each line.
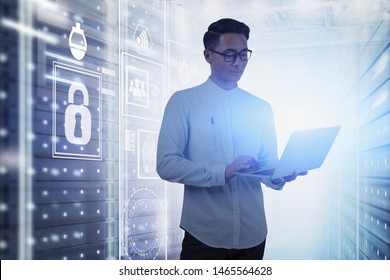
[81, 87]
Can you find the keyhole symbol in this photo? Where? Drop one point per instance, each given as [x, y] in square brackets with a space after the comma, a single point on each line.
[78, 131]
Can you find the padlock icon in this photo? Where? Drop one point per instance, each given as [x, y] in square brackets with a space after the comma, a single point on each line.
[78, 115]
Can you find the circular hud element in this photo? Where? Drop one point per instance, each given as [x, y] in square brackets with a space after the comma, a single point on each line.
[142, 218]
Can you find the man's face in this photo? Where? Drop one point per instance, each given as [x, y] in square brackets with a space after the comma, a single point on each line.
[227, 74]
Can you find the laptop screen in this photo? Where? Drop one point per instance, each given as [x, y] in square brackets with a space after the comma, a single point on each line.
[306, 150]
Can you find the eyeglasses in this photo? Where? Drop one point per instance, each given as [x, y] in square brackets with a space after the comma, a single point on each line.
[231, 56]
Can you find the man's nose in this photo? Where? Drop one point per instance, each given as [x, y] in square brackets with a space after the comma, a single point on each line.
[235, 60]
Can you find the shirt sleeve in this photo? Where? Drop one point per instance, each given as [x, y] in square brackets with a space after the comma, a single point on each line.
[171, 164]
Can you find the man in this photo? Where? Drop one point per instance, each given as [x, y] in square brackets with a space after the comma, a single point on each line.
[209, 133]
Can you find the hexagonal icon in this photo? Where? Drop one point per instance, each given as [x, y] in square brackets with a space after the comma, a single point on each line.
[143, 40]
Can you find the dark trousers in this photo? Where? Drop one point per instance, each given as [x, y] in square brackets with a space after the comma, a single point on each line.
[193, 249]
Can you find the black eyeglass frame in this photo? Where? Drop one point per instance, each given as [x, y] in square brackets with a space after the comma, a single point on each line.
[235, 54]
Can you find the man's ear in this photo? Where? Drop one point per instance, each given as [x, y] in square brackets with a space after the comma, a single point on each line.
[206, 54]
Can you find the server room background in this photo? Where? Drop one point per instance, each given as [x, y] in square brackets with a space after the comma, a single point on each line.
[79, 182]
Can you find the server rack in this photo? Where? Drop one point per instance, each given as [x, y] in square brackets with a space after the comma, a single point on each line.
[9, 135]
[360, 206]
[59, 189]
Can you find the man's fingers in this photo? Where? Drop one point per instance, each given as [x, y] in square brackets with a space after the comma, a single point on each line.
[294, 176]
[245, 162]
[291, 177]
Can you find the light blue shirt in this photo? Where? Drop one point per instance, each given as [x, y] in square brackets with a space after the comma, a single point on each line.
[203, 130]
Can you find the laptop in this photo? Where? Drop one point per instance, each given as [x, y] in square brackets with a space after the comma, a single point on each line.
[305, 150]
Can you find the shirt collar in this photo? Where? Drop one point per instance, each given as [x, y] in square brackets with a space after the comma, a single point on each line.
[217, 89]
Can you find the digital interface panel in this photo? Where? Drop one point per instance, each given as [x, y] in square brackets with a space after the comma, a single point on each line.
[82, 94]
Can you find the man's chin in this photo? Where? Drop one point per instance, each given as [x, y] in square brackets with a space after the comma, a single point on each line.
[235, 77]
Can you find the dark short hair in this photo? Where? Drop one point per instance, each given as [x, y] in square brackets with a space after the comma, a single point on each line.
[222, 26]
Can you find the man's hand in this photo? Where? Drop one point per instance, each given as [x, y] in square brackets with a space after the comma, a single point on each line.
[281, 181]
[240, 163]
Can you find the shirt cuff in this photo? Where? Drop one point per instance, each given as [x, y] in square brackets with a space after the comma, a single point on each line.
[218, 175]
